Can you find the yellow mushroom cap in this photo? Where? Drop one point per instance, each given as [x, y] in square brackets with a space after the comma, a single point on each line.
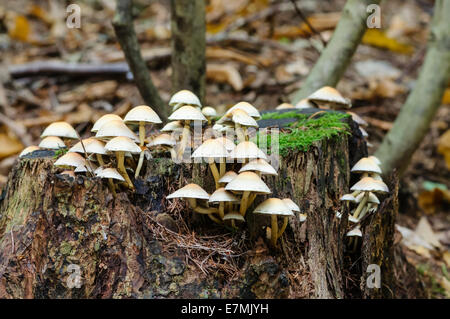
[210, 148]
[290, 203]
[234, 216]
[248, 182]
[304, 104]
[259, 165]
[70, 159]
[28, 150]
[330, 96]
[172, 126]
[284, 106]
[227, 177]
[162, 139]
[185, 97]
[190, 191]
[104, 119]
[142, 113]
[52, 142]
[115, 128]
[273, 206]
[122, 144]
[249, 150]
[60, 129]
[92, 146]
[368, 184]
[187, 113]
[247, 107]
[209, 111]
[366, 165]
[221, 195]
[111, 173]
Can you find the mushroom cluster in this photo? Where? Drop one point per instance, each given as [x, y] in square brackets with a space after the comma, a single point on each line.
[237, 164]
[364, 192]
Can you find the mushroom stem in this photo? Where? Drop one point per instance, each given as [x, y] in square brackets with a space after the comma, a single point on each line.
[239, 133]
[121, 167]
[222, 166]
[141, 133]
[221, 210]
[246, 138]
[112, 187]
[199, 209]
[283, 228]
[274, 230]
[173, 154]
[214, 171]
[139, 166]
[243, 207]
[100, 159]
[364, 211]
[184, 138]
[251, 199]
[214, 219]
[355, 193]
[361, 205]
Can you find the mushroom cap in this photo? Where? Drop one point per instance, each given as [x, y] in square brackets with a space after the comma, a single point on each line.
[115, 128]
[98, 171]
[92, 146]
[375, 159]
[70, 159]
[211, 148]
[241, 117]
[372, 198]
[190, 191]
[110, 173]
[368, 184]
[247, 107]
[304, 104]
[366, 165]
[122, 144]
[60, 129]
[284, 106]
[52, 142]
[330, 96]
[247, 149]
[234, 216]
[273, 206]
[104, 119]
[187, 113]
[221, 195]
[229, 144]
[355, 232]
[68, 172]
[259, 165]
[172, 126]
[84, 168]
[357, 119]
[302, 217]
[353, 219]
[248, 182]
[185, 97]
[290, 203]
[348, 198]
[223, 128]
[142, 113]
[228, 177]
[29, 149]
[162, 139]
[209, 111]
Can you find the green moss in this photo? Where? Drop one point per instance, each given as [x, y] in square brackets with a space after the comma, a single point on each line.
[303, 133]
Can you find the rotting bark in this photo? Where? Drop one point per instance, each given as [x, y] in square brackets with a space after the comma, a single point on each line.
[124, 29]
[336, 56]
[139, 245]
[188, 28]
[415, 117]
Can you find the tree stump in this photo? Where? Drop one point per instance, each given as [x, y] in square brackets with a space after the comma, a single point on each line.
[63, 237]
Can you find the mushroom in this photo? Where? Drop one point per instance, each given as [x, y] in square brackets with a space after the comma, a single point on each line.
[222, 196]
[115, 128]
[110, 173]
[120, 145]
[294, 207]
[166, 142]
[104, 119]
[83, 168]
[304, 104]
[329, 97]
[68, 173]
[242, 121]
[375, 159]
[227, 177]
[259, 166]
[192, 192]
[247, 151]
[234, 216]
[209, 112]
[284, 106]
[52, 143]
[366, 166]
[245, 106]
[210, 150]
[70, 160]
[141, 115]
[367, 185]
[274, 207]
[247, 183]
[28, 150]
[91, 146]
[60, 129]
[184, 97]
[186, 114]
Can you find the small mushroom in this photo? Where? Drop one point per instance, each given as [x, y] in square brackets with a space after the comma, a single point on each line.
[245, 106]
[366, 166]
[115, 128]
[222, 196]
[304, 104]
[234, 216]
[60, 129]
[294, 207]
[227, 177]
[274, 207]
[70, 160]
[247, 151]
[284, 106]
[367, 185]
[91, 146]
[28, 150]
[104, 119]
[166, 142]
[52, 143]
[209, 112]
[110, 173]
[260, 167]
[329, 97]
[184, 97]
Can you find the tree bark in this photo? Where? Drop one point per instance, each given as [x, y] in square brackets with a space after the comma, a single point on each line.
[423, 102]
[335, 58]
[124, 29]
[140, 245]
[188, 27]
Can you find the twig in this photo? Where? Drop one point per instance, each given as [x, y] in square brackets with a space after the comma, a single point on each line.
[306, 21]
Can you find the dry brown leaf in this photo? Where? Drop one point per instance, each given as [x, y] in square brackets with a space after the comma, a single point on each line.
[444, 147]
[101, 90]
[225, 73]
[320, 22]
[20, 29]
[425, 231]
[83, 114]
[446, 97]
[9, 145]
[430, 201]
[378, 38]
[220, 53]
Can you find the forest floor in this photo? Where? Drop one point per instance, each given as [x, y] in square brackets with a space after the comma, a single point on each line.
[259, 51]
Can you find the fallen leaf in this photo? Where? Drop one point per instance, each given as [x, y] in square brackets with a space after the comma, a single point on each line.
[378, 38]
[444, 147]
[425, 231]
[320, 22]
[21, 29]
[225, 73]
[9, 145]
